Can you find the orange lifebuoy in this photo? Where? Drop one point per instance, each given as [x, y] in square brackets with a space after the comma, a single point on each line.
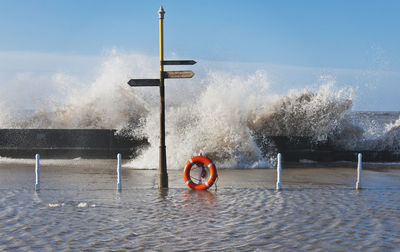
[200, 161]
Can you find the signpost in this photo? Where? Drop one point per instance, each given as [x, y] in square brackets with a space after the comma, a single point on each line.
[178, 62]
[144, 82]
[162, 168]
[178, 74]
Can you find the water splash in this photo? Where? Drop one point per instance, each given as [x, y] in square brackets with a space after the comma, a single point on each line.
[214, 123]
[226, 120]
[223, 115]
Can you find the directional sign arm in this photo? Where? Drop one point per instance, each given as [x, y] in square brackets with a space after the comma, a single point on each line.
[144, 82]
[178, 62]
[178, 74]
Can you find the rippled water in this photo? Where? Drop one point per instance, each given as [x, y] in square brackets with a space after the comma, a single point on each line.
[303, 216]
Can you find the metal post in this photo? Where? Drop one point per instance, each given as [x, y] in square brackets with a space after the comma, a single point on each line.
[278, 172]
[200, 173]
[163, 175]
[37, 173]
[359, 170]
[119, 186]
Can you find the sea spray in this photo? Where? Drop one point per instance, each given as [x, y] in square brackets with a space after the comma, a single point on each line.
[214, 123]
[227, 120]
[226, 116]
[368, 131]
[107, 102]
[390, 141]
[305, 113]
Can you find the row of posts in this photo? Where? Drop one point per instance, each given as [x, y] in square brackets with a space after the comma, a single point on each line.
[278, 172]
[37, 172]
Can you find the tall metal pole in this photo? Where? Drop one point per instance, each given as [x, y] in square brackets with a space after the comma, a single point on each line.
[163, 175]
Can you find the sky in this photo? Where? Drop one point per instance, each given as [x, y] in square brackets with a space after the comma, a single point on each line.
[355, 42]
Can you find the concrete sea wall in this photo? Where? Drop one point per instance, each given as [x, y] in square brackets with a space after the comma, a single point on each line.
[67, 143]
[105, 143]
[303, 148]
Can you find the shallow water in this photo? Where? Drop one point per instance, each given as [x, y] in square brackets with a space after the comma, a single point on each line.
[79, 209]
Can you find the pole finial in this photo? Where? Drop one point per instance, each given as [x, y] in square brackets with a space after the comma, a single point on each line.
[161, 12]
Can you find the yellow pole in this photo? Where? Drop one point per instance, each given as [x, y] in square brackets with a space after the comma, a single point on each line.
[163, 175]
[161, 13]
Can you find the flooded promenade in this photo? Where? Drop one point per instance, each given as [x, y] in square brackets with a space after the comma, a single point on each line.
[79, 208]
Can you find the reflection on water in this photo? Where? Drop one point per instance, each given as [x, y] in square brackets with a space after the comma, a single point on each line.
[181, 219]
[202, 198]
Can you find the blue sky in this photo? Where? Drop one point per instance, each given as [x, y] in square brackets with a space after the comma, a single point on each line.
[362, 37]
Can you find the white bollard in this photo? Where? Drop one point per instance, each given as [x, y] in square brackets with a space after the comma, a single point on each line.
[119, 186]
[37, 172]
[359, 170]
[278, 172]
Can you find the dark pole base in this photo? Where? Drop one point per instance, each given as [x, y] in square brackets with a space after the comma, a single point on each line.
[163, 175]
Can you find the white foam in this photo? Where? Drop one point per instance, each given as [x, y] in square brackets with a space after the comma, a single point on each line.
[56, 204]
[222, 114]
[82, 205]
[17, 160]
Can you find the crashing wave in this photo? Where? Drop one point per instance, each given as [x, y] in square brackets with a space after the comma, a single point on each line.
[227, 117]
